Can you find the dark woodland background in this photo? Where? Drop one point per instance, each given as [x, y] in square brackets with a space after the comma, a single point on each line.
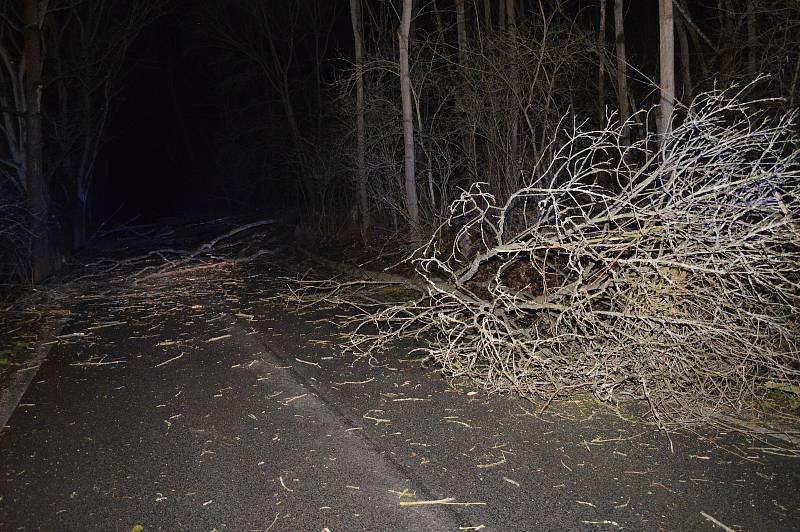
[123, 112]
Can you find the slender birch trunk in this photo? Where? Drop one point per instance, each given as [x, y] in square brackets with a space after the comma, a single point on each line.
[667, 66]
[601, 64]
[622, 71]
[409, 182]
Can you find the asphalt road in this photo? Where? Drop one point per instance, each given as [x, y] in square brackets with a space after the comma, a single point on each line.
[197, 402]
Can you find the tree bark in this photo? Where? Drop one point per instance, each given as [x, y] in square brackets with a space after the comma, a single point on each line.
[751, 40]
[361, 167]
[288, 106]
[38, 201]
[726, 45]
[514, 151]
[686, 66]
[439, 24]
[410, 182]
[601, 64]
[461, 26]
[696, 36]
[622, 71]
[467, 137]
[667, 66]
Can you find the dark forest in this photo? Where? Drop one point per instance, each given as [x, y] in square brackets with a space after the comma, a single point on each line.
[154, 109]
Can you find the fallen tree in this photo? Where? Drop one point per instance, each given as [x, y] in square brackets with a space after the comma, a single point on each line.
[241, 243]
[669, 276]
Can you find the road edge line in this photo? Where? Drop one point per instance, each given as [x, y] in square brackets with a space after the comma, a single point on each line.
[21, 379]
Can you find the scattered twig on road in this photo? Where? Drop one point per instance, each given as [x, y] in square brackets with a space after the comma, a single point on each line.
[168, 361]
[284, 485]
[354, 382]
[724, 527]
[295, 398]
[447, 501]
[101, 363]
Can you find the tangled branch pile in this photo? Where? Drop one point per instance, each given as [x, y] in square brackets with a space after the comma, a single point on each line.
[670, 276]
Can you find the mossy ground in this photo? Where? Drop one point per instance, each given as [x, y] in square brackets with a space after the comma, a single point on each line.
[782, 403]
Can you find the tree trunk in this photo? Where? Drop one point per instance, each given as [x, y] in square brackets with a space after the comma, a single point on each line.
[601, 64]
[12, 108]
[361, 166]
[439, 24]
[38, 201]
[318, 79]
[667, 67]
[288, 107]
[727, 44]
[466, 137]
[281, 71]
[695, 35]
[514, 152]
[410, 183]
[622, 72]
[752, 68]
[795, 78]
[85, 169]
[79, 220]
[487, 14]
[461, 25]
[686, 66]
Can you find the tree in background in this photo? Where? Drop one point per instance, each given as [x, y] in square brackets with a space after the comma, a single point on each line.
[273, 53]
[409, 168]
[361, 171]
[468, 133]
[23, 158]
[733, 41]
[483, 87]
[601, 63]
[667, 66]
[38, 201]
[623, 102]
[61, 64]
[88, 45]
